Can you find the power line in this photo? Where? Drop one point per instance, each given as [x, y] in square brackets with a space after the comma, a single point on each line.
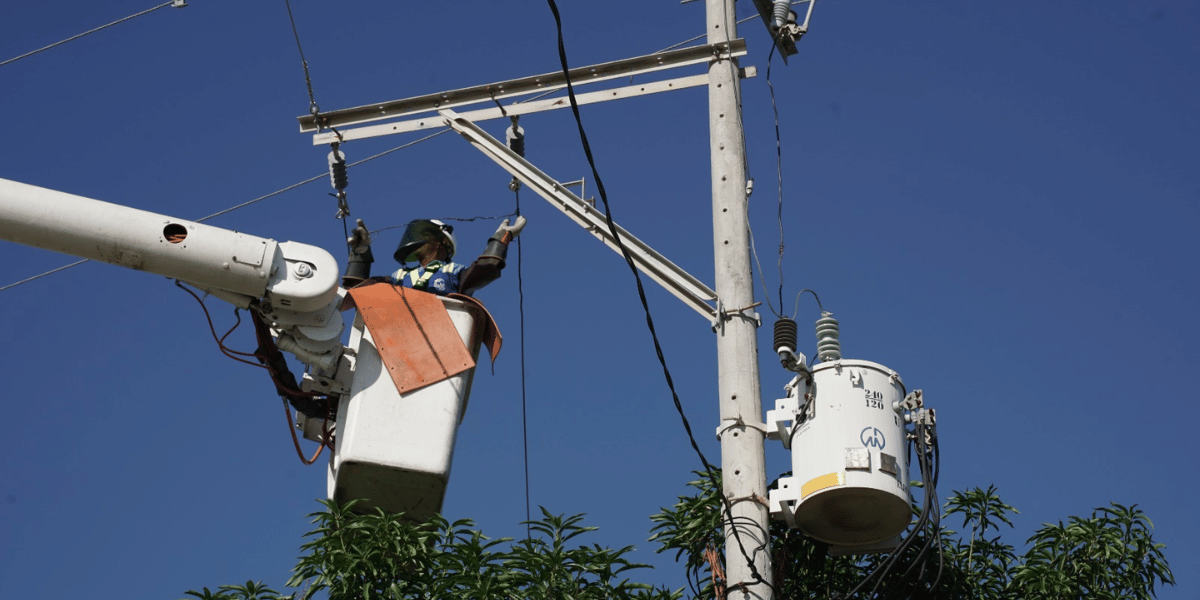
[312, 102]
[175, 3]
[524, 411]
[62, 268]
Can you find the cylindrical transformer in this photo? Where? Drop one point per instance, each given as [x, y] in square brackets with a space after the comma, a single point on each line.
[849, 458]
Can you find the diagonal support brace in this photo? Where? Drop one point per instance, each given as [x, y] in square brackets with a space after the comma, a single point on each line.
[675, 280]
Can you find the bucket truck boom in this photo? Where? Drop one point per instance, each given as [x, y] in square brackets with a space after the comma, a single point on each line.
[393, 444]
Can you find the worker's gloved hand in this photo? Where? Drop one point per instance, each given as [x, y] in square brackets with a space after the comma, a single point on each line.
[506, 232]
[358, 266]
[360, 239]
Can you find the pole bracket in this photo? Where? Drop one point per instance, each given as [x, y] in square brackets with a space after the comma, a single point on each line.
[727, 424]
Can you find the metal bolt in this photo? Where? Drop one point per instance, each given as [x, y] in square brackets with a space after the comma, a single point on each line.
[303, 270]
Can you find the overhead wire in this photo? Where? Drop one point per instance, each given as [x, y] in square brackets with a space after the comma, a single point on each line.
[778, 169]
[337, 161]
[524, 412]
[91, 31]
[702, 36]
[709, 468]
[256, 200]
[50, 272]
[459, 219]
[313, 109]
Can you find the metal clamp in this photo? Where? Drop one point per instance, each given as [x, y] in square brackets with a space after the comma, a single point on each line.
[912, 401]
[728, 315]
[727, 424]
[783, 417]
[783, 501]
[753, 497]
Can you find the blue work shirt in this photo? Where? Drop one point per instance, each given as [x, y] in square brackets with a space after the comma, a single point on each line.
[437, 277]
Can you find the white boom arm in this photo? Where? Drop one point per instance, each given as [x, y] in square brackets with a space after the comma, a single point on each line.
[297, 284]
[393, 449]
[293, 276]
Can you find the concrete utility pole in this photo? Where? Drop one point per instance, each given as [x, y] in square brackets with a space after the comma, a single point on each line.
[743, 463]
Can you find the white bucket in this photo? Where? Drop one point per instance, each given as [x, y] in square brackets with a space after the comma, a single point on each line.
[394, 451]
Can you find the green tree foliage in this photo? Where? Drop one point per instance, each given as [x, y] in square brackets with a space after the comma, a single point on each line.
[382, 556]
[1110, 555]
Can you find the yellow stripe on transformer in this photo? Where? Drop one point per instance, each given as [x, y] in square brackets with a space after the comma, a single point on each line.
[819, 483]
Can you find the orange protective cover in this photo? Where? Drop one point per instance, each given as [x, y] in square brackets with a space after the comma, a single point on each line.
[413, 332]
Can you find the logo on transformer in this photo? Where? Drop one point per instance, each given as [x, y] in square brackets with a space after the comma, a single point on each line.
[872, 437]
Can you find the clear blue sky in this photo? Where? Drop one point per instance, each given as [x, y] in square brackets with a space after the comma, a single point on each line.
[997, 200]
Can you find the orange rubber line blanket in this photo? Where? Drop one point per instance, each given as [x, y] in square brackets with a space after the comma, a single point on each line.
[414, 335]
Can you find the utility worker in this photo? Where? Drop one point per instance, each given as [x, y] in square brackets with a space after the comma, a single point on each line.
[424, 254]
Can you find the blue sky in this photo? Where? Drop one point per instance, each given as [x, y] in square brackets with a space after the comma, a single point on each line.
[998, 200]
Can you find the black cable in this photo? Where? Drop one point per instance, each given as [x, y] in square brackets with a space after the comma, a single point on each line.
[778, 170]
[312, 101]
[460, 219]
[90, 31]
[562, 55]
[928, 524]
[524, 419]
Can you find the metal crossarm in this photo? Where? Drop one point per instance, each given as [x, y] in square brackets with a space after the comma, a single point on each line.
[549, 82]
[517, 109]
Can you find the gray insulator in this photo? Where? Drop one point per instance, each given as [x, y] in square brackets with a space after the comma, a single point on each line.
[829, 348]
[782, 13]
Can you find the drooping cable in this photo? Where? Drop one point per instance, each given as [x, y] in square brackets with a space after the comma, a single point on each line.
[923, 438]
[287, 411]
[524, 417]
[286, 395]
[612, 228]
[796, 308]
[778, 169]
[176, 3]
[709, 469]
[234, 354]
[460, 219]
[260, 199]
[515, 139]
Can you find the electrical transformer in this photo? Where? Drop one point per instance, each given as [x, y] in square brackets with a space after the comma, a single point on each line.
[849, 483]
[845, 422]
